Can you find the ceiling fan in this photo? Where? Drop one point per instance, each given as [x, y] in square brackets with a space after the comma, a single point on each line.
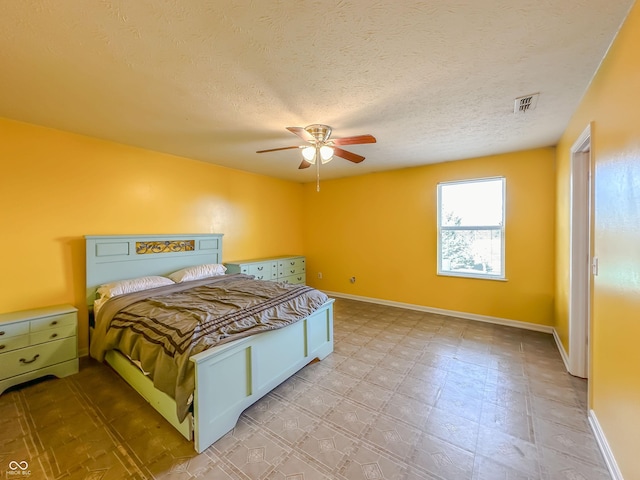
[322, 148]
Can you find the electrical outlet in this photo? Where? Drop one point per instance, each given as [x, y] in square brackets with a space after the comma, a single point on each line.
[352, 279]
[320, 275]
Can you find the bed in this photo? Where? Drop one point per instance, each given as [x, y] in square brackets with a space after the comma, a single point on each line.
[228, 377]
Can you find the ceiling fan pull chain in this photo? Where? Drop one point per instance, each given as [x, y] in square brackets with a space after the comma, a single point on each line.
[317, 170]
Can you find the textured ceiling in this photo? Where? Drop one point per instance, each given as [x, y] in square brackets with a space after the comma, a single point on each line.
[217, 80]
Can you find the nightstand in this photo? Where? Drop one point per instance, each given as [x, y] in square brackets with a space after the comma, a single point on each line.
[39, 342]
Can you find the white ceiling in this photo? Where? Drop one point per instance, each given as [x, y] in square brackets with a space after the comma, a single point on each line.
[217, 80]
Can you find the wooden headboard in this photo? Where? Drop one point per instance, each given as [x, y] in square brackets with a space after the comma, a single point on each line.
[118, 257]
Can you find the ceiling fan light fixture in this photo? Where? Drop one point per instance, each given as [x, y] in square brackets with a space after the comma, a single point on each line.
[321, 150]
[326, 153]
[309, 154]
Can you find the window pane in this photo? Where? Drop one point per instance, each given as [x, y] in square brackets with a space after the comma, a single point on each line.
[472, 203]
[472, 251]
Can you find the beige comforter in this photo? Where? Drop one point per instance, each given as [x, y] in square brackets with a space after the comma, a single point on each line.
[163, 327]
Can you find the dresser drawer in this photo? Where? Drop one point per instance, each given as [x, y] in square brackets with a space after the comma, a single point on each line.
[287, 270]
[13, 330]
[293, 279]
[295, 262]
[32, 358]
[262, 271]
[53, 322]
[13, 343]
[52, 334]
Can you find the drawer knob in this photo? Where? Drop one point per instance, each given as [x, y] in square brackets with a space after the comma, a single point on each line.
[1, 332]
[1, 347]
[55, 322]
[53, 335]
[25, 362]
[260, 268]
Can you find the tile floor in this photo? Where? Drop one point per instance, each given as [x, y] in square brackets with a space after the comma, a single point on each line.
[405, 395]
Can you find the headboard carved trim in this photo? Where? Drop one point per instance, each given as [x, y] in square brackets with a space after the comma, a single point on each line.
[167, 246]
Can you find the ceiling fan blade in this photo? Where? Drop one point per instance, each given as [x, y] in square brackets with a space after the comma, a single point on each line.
[276, 149]
[304, 164]
[302, 133]
[352, 157]
[358, 139]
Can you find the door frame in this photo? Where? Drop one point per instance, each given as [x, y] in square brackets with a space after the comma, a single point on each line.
[580, 255]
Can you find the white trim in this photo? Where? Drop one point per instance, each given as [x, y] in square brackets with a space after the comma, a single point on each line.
[563, 352]
[498, 227]
[579, 254]
[450, 313]
[609, 459]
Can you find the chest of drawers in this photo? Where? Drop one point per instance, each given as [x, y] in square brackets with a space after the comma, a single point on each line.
[286, 269]
[36, 343]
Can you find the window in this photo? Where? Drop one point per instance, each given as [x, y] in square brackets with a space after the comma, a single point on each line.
[471, 228]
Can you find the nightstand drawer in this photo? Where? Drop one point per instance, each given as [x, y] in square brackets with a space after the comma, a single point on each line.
[13, 330]
[52, 334]
[13, 343]
[28, 359]
[53, 322]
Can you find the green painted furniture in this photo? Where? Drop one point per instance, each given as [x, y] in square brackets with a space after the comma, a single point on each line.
[36, 343]
[286, 269]
[230, 377]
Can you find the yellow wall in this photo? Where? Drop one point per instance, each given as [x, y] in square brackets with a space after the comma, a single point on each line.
[56, 187]
[381, 228]
[612, 103]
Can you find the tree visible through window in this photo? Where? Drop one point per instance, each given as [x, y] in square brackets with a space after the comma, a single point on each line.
[471, 228]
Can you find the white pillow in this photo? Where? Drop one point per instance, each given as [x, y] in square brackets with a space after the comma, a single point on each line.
[113, 289]
[131, 285]
[197, 272]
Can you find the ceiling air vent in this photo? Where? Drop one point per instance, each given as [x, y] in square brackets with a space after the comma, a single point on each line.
[526, 103]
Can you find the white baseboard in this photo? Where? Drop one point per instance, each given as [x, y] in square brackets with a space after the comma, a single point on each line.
[563, 352]
[449, 313]
[609, 459]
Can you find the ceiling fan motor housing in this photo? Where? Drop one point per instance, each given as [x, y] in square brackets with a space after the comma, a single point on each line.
[318, 131]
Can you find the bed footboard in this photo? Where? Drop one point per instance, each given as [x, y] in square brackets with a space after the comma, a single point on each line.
[231, 377]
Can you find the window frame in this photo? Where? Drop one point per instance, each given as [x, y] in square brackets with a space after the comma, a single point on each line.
[443, 228]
